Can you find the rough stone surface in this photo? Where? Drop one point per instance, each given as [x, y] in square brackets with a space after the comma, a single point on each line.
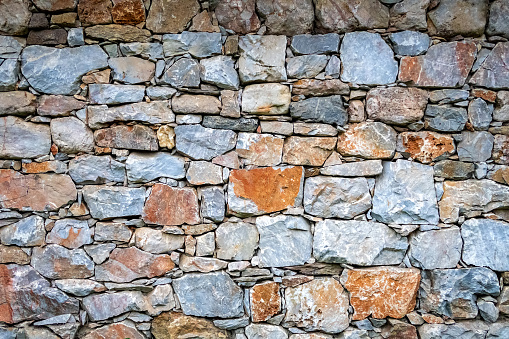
[26, 232]
[453, 17]
[213, 203]
[71, 135]
[174, 324]
[58, 105]
[259, 149]
[501, 149]
[17, 103]
[315, 44]
[265, 301]
[155, 241]
[396, 105]
[121, 329]
[220, 71]
[70, 233]
[57, 262]
[151, 112]
[474, 330]
[108, 305]
[107, 94]
[118, 33]
[199, 104]
[107, 202]
[202, 143]
[318, 88]
[370, 140]
[497, 25]
[262, 58]
[239, 16]
[425, 147]
[410, 43]
[309, 151]
[436, 248]
[144, 167]
[131, 70]
[137, 137]
[185, 72]
[266, 99]
[305, 66]
[171, 206]
[327, 109]
[21, 139]
[480, 114]
[475, 146]
[171, 16]
[366, 168]
[287, 17]
[236, 241]
[91, 169]
[15, 17]
[259, 331]
[446, 118]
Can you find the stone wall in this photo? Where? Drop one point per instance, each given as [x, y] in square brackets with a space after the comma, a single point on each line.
[251, 169]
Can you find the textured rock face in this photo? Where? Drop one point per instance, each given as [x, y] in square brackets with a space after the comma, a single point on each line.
[71, 135]
[287, 17]
[262, 58]
[239, 16]
[396, 105]
[405, 194]
[259, 150]
[236, 241]
[453, 17]
[474, 329]
[174, 324]
[310, 151]
[425, 147]
[137, 137]
[370, 140]
[373, 290]
[409, 42]
[103, 306]
[266, 99]
[171, 16]
[143, 167]
[328, 110]
[57, 262]
[21, 139]
[475, 146]
[497, 25]
[501, 149]
[107, 202]
[122, 329]
[202, 143]
[265, 301]
[436, 248]
[446, 118]
[70, 233]
[91, 169]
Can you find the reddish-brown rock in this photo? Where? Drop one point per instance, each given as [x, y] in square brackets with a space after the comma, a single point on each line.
[370, 140]
[178, 325]
[127, 264]
[58, 105]
[171, 16]
[425, 146]
[396, 105]
[128, 12]
[238, 15]
[43, 167]
[94, 12]
[402, 331]
[37, 192]
[485, 94]
[118, 330]
[171, 206]
[13, 254]
[309, 151]
[316, 88]
[500, 175]
[501, 149]
[202, 22]
[295, 280]
[47, 37]
[136, 137]
[265, 301]
[382, 291]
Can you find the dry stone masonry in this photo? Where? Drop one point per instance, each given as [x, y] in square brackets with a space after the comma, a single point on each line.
[254, 169]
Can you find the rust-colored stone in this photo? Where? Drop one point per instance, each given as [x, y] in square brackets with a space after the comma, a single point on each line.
[138, 137]
[314, 87]
[94, 12]
[382, 291]
[238, 15]
[501, 149]
[128, 12]
[260, 149]
[171, 206]
[171, 16]
[265, 301]
[425, 146]
[40, 167]
[485, 94]
[500, 175]
[97, 77]
[370, 140]
[202, 22]
[432, 319]
[309, 151]
[402, 331]
[13, 254]
[178, 325]
[37, 192]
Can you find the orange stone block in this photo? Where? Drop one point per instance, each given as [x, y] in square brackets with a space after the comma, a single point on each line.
[382, 291]
[425, 146]
[265, 301]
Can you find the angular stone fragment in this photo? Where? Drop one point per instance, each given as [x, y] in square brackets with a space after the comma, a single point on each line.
[70, 233]
[315, 44]
[128, 264]
[57, 262]
[220, 71]
[94, 12]
[128, 12]
[58, 105]
[203, 172]
[21, 139]
[219, 122]
[264, 190]
[448, 96]
[458, 17]
[453, 292]
[79, 287]
[328, 110]
[456, 60]
[358, 243]
[91, 169]
[107, 202]
[209, 295]
[15, 17]
[367, 59]
[14, 255]
[26, 295]
[147, 50]
[410, 42]
[287, 17]
[258, 331]
[405, 194]
[318, 305]
[200, 264]
[262, 58]
[173, 325]
[260, 149]
[166, 136]
[10, 47]
[107, 94]
[213, 203]
[36, 192]
[484, 241]
[310, 151]
[110, 231]
[59, 70]
[370, 140]
[26, 232]
[50, 37]
[455, 170]
[200, 143]
[117, 330]
[198, 44]
[171, 16]
[185, 72]
[118, 33]
[436, 248]
[500, 153]
[266, 99]
[9, 73]
[396, 105]
[480, 114]
[137, 137]
[236, 241]
[107, 305]
[305, 66]
[501, 112]
[475, 146]
[17, 103]
[196, 104]
[469, 329]
[409, 14]
[71, 135]
[425, 146]
[265, 301]
[314, 129]
[368, 168]
[171, 206]
[239, 16]
[499, 10]
[131, 70]
[381, 291]
[284, 240]
[317, 88]
[144, 167]
[446, 118]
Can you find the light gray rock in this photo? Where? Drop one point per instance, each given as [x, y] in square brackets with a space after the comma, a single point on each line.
[76, 37]
[145, 167]
[71, 135]
[23, 140]
[498, 331]
[100, 252]
[198, 44]
[107, 202]
[205, 244]
[260, 331]
[367, 59]
[405, 194]
[315, 44]
[209, 295]
[236, 241]
[160, 93]
[220, 71]
[436, 248]
[329, 197]
[488, 310]
[9, 74]
[284, 240]
[448, 96]
[231, 324]
[329, 110]
[92, 169]
[475, 146]
[200, 143]
[501, 112]
[10, 47]
[262, 58]
[155, 241]
[147, 50]
[155, 112]
[358, 243]
[368, 168]
[108, 305]
[266, 99]
[497, 24]
[465, 329]
[492, 73]
[57, 262]
[59, 70]
[112, 231]
[333, 68]
[453, 292]
[484, 243]
[213, 203]
[203, 172]
[131, 70]
[79, 287]
[305, 66]
[410, 42]
[480, 114]
[445, 118]
[108, 94]
[26, 232]
[70, 233]
[14, 17]
[185, 72]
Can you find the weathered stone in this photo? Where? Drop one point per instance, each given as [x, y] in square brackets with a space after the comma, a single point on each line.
[26, 232]
[305, 66]
[91, 169]
[128, 264]
[131, 70]
[15, 17]
[117, 330]
[137, 137]
[262, 58]
[175, 325]
[9, 73]
[405, 194]
[57, 105]
[259, 331]
[203, 22]
[480, 114]
[264, 190]
[473, 329]
[260, 149]
[356, 111]
[499, 10]
[370, 140]
[213, 203]
[100, 252]
[239, 16]
[453, 17]
[200, 143]
[166, 136]
[171, 206]
[358, 243]
[455, 170]
[71, 135]
[453, 292]
[54, 5]
[97, 77]
[198, 44]
[107, 305]
[316, 88]
[47, 37]
[59, 70]
[57, 262]
[14, 255]
[266, 99]
[310, 151]
[287, 17]
[10, 47]
[232, 324]
[147, 50]
[475, 146]
[115, 94]
[284, 240]
[315, 44]
[436, 248]
[79, 287]
[501, 112]
[26, 295]
[381, 291]
[144, 167]
[44, 167]
[171, 16]
[128, 12]
[425, 146]
[344, 16]
[236, 241]
[107, 202]
[36, 192]
[314, 129]
[368, 168]
[500, 153]
[196, 104]
[329, 110]
[209, 295]
[499, 173]
[396, 105]
[409, 14]
[21, 139]
[17, 103]
[203, 173]
[367, 59]
[110, 231]
[265, 301]
[70, 233]
[185, 72]
[448, 96]
[456, 60]
[410, 42]
[220, 71]
[205, 244]
[118, 33]
[94, 12]
[200, 264]
[219, 122]
[446, 118]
